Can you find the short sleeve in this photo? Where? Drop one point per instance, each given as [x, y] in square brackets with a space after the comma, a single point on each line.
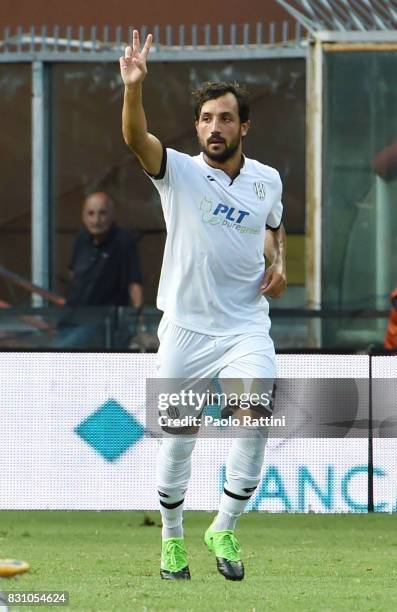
[275, 215]
[173, 165]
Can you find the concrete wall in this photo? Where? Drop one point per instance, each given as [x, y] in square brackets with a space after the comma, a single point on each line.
[125, 12]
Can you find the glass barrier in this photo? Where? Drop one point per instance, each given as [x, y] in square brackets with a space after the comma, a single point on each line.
[90, 153]
[15, 183]
[359, 217]
[126, 329]
[95, 328]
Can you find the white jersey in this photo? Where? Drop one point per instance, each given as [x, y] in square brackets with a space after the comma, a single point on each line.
[213, 262]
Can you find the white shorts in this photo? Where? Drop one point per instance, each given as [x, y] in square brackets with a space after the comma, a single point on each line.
[237, 366]
[187, 354]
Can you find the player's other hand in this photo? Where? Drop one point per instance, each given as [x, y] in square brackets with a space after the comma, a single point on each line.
[133, 63]
[274, 281]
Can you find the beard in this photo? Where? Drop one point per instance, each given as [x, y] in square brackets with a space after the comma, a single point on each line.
[226, 153]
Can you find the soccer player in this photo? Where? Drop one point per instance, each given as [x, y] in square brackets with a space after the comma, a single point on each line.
[217, 207]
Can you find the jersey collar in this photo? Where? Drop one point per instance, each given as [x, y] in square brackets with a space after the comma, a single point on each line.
[221, 174]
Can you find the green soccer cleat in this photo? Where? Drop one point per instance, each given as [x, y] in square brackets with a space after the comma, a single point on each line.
[226, 548]
[174, 564]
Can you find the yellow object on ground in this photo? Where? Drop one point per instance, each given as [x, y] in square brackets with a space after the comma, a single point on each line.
[11, 567]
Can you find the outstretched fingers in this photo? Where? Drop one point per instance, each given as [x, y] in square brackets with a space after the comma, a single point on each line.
[147, 45]
[133, 62]
[135, 50]
[136, 43]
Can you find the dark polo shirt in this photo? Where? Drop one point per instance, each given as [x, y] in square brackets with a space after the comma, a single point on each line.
[102, 272]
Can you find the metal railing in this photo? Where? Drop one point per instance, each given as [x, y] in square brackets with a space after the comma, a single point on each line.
[84, 42]
[343, 15]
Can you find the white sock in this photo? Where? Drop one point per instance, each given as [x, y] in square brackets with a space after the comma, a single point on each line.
[173, 473]
[243, 470]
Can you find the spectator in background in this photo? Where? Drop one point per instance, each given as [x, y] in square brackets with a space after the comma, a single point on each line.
[104, 267]
[104, 271]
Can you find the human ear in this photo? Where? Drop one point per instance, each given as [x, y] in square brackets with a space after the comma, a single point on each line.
[245, 127]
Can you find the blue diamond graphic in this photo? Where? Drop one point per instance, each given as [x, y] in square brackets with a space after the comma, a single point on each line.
[110, 430]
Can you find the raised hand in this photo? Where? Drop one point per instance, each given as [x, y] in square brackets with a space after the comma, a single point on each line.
[133, 63]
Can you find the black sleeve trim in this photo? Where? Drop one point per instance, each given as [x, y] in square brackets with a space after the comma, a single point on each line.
[274, 229]
[163, 167]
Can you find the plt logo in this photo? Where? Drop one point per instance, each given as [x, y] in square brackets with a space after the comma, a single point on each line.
[206, 206]
[220, 213]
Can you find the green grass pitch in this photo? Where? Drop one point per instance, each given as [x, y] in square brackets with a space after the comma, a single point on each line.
[109, 561]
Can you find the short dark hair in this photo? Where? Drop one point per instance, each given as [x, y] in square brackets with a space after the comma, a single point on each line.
[215, 89]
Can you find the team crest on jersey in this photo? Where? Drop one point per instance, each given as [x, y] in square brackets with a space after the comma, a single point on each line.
[260, 189]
